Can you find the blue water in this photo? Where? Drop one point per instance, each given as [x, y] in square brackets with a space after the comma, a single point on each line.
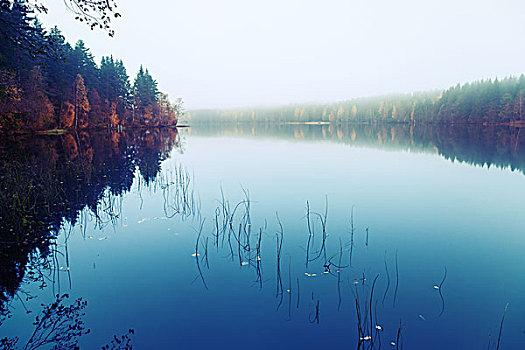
[409, 204]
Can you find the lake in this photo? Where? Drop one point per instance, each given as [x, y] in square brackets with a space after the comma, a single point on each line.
[265, 236]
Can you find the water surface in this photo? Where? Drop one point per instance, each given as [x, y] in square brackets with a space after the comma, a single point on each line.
[257, 236]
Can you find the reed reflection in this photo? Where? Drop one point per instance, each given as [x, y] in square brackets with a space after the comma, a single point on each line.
[52, 183]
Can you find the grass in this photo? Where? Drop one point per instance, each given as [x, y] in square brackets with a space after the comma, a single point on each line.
[52, 132]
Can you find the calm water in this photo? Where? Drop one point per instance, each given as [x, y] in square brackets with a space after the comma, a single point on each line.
[257, 237]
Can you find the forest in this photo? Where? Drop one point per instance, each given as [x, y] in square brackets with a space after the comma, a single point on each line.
[45, 83]
[490, 101]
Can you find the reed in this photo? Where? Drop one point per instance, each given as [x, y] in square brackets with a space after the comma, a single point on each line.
[279, 283]
[197, 254]
[351, 234]
[399, 337]
[314, 317]
[387, 281]
[310, 233]
[397, 284]
[441, 294]
[501, 326]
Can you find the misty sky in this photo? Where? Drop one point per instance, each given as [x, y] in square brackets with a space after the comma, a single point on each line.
[234, 53]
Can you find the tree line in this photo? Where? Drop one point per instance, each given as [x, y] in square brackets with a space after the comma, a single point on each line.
[490, 101]
[46, 83]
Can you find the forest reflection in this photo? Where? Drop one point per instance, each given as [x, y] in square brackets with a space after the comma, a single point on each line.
[47, 181]
[474, 144]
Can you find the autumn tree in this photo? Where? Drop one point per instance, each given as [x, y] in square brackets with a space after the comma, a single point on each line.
[67, 115]
[519, 105]
[10, 97]
[81, 103]
[167, 114]
[96, 113]
[36, 108]
[111, 115]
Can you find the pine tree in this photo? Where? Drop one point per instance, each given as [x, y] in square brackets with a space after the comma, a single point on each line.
[84, 64]
[145, 93]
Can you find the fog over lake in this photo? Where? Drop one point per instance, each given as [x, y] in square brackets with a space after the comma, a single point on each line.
[233, 53]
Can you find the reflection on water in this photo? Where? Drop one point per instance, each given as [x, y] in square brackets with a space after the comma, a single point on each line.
[47, 181]
[499, 146]
[156, 240]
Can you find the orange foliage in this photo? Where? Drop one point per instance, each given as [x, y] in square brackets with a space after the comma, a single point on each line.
[96, 114]
[10, 95]
[113, 119]
[147, 117]
[36, 108]
[70, 146]
[81, 103]
[67, 115]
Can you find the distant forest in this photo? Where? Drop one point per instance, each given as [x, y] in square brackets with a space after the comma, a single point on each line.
[45, 83]
[482, 102]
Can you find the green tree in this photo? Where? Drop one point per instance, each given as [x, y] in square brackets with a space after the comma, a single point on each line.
[83, 63]
[145, 93]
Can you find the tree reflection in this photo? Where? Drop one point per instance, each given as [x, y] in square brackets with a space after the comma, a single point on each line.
[60, 326]
[500, 146]
[46, 181]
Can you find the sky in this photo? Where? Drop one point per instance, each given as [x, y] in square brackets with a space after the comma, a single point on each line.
[238, 53]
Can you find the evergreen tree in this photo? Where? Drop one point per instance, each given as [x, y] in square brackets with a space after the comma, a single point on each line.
[84, 64]
[63, 77]
[145, 92]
